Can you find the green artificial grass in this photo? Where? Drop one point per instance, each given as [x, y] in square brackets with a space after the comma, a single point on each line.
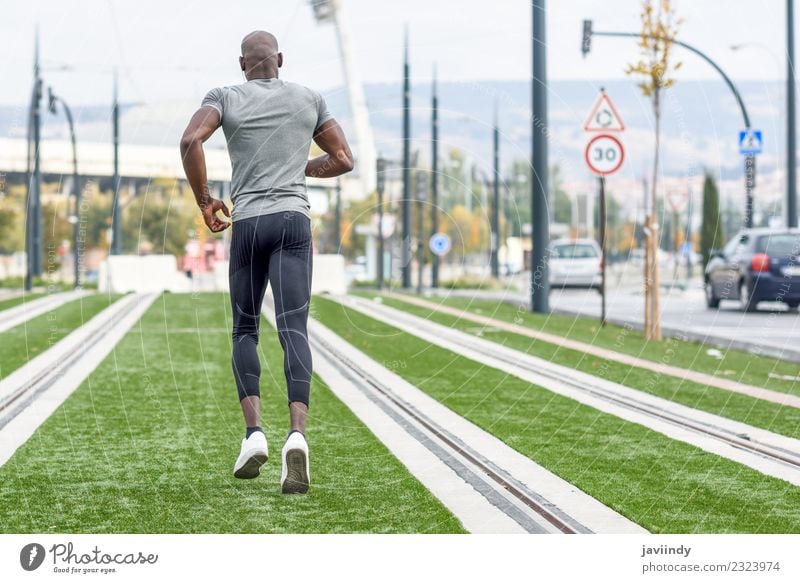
[765, 414]
[745, 367]
[660, 483]
[20, 344]
[17, 300]
[147, 445]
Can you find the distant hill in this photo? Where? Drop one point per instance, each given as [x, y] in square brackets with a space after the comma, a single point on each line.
[700, 122]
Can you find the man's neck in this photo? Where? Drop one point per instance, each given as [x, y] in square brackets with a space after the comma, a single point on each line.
[252, 75]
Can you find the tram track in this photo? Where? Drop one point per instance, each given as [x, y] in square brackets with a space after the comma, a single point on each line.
[768, 452]
[31, 393]
[493, 478]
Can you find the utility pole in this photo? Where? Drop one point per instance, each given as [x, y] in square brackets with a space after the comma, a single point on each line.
[791, 128]
[406, 248]
[421, 187]
[540, 236]
[749, 185]
[434, 177]
[115, 204]
[337, 233]
[33, 230]
[495, 238]
[76, 188]
[602, 180]
[380, 179]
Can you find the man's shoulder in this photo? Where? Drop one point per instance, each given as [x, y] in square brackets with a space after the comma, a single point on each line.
[302, 89]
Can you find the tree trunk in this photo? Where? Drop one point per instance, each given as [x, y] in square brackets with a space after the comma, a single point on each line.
[655, 318]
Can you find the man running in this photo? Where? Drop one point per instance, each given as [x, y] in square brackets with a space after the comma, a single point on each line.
[269, 125]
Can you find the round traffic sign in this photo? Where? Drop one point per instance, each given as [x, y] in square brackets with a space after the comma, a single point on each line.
[439, 244]
[604, 154]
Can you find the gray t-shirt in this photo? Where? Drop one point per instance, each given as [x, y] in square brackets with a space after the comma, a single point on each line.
[269, 125]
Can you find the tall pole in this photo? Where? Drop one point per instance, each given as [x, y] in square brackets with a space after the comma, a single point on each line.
[540, 236]
[791, 128]
[749, 185]
[32, 208]
[76, 188]
[115, 210]
[421, 184]
[380, 179]
[36, 220]
[495, 262]
[434, 178]
[406, 245]
[602, 250]
[365, 141]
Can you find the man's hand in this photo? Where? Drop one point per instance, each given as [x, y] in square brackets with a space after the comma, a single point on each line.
[209, 209]
[203, 123]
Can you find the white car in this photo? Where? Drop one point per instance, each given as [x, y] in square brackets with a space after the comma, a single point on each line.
[575, 263]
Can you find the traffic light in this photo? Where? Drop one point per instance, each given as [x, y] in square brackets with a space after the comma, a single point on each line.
[586, 44]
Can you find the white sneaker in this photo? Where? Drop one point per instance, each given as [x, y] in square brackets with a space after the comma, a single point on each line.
[295, 475]
[253, 455]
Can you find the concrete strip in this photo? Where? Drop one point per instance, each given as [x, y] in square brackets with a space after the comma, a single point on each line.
[661, 368]
[113, 322]
[473, 510]
[7, 294]
[564, 384]
[22, 313]
[562, 495]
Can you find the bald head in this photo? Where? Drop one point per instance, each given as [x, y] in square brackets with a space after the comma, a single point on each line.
[261, 57]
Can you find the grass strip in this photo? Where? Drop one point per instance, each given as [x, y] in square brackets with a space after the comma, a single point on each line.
[17, 300]
[147, 445]
[746, 367]
[22, 343]
[662, 484]
[753, 411]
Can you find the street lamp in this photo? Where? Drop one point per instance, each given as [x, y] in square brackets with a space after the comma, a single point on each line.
[750, 161]
[380, 175]
[491, 185]
[76, 191]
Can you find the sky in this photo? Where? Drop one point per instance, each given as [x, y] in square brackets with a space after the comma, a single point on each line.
[176, 51]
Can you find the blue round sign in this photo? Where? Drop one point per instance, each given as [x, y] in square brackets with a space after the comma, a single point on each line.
[439, 244]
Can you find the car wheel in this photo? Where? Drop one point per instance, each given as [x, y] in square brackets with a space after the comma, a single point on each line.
[712, 301]
[792, 306]
[745, 298]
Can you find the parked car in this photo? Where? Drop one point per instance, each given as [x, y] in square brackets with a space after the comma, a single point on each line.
[757, 265]
[575, 263]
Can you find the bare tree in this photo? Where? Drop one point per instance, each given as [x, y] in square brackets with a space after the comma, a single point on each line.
[659, 28]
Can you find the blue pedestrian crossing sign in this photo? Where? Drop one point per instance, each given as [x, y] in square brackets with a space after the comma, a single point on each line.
[440, 244]
[750, 142]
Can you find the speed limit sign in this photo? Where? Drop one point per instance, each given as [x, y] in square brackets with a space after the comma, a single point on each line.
[604, 154]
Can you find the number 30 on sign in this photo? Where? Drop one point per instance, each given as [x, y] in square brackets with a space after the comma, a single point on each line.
[604, 154]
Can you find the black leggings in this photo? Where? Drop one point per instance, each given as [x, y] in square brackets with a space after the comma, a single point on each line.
[274, 247]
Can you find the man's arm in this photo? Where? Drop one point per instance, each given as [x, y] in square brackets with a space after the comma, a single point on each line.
[337, 159]
[204, 122]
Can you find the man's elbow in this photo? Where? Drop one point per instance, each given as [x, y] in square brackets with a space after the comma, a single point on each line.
[346, 161]
[188, 141]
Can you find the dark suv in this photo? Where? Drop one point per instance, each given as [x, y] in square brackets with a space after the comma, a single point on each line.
[757, 265]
